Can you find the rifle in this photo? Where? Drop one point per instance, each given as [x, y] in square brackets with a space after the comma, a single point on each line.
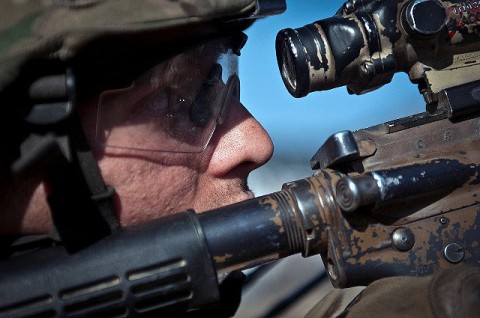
[399, 198]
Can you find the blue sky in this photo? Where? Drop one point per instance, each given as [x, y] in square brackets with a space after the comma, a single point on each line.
[298, 127]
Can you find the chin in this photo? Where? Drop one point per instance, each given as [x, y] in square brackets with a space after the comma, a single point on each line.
[247, 196]
[239, 197]
[219, 201]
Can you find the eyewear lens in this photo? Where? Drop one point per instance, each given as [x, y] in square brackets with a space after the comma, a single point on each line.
[173, 107]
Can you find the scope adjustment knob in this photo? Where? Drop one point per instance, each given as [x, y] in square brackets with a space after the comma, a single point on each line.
[424, 17]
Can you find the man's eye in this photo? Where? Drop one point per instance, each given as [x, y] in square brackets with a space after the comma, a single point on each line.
[195, 100]
[200, 112]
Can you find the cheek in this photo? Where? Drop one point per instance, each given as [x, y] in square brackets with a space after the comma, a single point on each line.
[147, 190]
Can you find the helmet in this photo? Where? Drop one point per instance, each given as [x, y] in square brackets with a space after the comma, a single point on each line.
[59, 29]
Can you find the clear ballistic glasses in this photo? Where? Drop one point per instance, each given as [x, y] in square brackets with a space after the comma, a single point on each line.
[173, 107]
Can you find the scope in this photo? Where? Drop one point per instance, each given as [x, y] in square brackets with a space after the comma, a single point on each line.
[366, 42]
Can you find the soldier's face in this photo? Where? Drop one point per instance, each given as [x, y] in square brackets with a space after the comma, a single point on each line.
[151, 186]
[164, 157]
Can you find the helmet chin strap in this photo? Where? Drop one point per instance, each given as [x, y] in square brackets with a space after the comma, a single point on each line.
[81, 204]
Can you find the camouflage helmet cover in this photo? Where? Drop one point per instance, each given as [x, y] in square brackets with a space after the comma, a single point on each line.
[32, 28]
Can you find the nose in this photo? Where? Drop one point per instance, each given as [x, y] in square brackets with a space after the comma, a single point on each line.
[241, 144]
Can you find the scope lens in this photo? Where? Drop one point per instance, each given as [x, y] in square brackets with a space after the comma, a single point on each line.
[292, 62]
[288, 69]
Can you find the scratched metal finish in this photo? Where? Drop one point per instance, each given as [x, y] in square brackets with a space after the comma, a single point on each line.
[250, 233]
[430, 189]
[363, 251]
[315, 208]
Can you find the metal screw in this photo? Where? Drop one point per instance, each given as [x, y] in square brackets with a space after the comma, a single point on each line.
[403, 239]
[368, 68]
[454, 252]
[443, 220]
